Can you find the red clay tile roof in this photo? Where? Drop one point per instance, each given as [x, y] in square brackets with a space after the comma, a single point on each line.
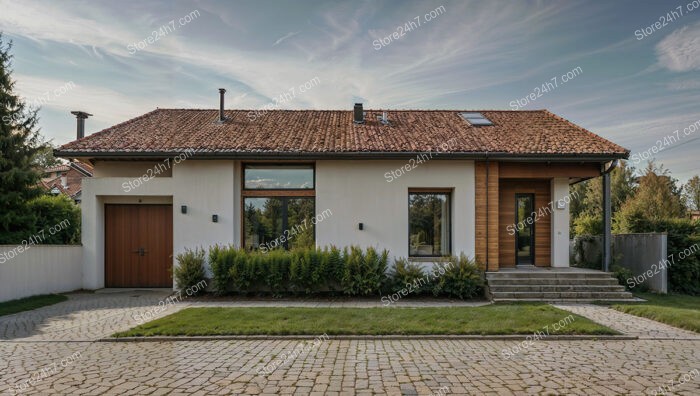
[527, 133]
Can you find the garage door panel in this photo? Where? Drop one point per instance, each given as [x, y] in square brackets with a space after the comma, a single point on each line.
[138, 245]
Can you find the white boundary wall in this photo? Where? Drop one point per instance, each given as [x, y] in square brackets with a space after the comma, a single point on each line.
[39, 269]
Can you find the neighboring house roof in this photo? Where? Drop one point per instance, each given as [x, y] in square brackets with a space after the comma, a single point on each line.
[536, 133]
[57, 168]
[72, 174]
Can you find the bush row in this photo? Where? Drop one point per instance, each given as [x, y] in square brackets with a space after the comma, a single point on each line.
[351, 271]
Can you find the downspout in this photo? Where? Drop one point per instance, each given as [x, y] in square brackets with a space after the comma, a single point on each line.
[487, 211]
[607, 216]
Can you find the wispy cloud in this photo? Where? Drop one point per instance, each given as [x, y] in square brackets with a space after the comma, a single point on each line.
[680, 50]
[476, 55]
[286, 36]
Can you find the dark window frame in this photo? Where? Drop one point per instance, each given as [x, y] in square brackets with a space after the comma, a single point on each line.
[285, 216]
[434, 191]
[279, 193]
[533, 234]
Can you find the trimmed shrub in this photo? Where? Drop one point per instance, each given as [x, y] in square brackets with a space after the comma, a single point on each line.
[365, 272]
[622, 274]
[354, 271]
[462, 279]
[190, 270]
[221, 260]
[405, 273]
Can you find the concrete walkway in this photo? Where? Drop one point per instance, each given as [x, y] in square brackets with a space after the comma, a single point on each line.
[84, 316]
[629, 324]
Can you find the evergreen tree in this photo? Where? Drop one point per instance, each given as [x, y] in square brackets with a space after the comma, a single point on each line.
[19, 144]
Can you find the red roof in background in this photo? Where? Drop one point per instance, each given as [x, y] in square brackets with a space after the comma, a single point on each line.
[536, 132]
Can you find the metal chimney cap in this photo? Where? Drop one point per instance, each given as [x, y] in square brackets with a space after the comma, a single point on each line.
[81, 114]
[222, 90]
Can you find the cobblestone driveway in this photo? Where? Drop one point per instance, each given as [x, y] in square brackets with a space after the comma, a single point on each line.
[352, 367]
[43, 349]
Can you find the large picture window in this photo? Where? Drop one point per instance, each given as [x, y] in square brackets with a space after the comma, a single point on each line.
[278, 206]
[429, 228]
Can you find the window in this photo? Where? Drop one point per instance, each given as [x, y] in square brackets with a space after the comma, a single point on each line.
[279, 222]
[278, 206]
[476, 119]
[429, 228]
[275, 177]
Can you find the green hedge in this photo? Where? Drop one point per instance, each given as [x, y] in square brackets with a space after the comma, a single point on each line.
[683, 234]
[351, 271]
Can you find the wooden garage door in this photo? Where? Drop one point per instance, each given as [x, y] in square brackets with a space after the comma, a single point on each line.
[138, 245]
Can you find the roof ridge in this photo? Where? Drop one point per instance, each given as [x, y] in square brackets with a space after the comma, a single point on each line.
[349, 110]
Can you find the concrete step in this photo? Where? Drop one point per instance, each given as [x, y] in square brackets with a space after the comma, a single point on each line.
[561, 300]
[550, 296]
[494, 282]
[547, 275]
[558, 288]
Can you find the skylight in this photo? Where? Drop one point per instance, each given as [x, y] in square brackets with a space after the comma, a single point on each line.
[476, 119]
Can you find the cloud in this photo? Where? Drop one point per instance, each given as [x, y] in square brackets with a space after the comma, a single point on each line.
[286, 36]
[680, 50]
[683, 85]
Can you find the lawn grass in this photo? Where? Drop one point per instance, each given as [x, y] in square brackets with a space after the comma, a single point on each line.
[29, 303]
[673, 309]
[484, 320]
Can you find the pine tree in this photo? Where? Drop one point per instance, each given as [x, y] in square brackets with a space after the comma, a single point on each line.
[19, 143]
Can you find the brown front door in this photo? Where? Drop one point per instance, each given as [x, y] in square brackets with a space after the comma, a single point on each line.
[138, 245]
[519, 242]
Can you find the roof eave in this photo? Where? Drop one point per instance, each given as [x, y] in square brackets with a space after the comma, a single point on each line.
[576, 157]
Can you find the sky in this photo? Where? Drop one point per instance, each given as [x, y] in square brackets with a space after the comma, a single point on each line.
[604, 65]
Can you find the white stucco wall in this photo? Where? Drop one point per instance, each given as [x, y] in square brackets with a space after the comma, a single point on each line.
[29, 270]
[206, 187]
[131, 169]
[560, 222]
[358, 192]
[354, 191]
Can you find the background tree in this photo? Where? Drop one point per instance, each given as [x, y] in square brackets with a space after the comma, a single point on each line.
[691, 193]
[44, 157]
[658, 197]
[587, 204]
[19, 144]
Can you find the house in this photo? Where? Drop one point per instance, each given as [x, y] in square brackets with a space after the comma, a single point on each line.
[66, 179]
[421, 183]
[695, 214]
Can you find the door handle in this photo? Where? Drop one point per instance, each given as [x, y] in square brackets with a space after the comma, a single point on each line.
[141, 251]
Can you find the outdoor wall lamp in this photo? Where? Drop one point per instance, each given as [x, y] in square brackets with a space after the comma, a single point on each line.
[183, 209]
[215, 218]
[360, 226]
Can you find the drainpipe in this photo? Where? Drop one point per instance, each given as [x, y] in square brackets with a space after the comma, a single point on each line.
[487, 211]
[607, 216]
